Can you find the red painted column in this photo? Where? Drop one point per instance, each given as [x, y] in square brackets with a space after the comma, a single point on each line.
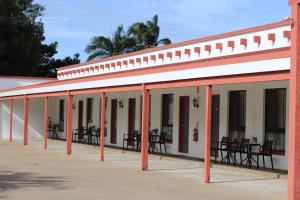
[207, 142]
[294, 107]
[102, 126]
[69, 124]
[145, 129]
[11, 105]
[25, 120]
[45, 122]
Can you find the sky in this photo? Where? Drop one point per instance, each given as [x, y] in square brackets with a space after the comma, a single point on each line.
[72, 23]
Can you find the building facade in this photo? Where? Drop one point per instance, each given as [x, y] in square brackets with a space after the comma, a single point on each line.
[237, 84]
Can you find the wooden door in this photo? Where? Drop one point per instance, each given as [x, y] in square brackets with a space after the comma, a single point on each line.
[80, 114]
[131, 116]
[184, 106]
[113, 121]
[215, 119]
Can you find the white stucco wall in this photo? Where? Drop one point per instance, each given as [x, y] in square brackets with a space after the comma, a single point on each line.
[35, 112]
[254, 115]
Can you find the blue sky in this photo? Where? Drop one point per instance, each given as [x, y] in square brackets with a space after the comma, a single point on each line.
[72, 23]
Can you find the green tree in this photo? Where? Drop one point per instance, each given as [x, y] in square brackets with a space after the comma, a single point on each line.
[138, 36]
[22, 51]
[101, 46]
[147, 35]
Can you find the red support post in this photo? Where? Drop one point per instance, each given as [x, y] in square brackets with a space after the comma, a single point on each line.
[69, 123]
[207, 141]
[145, 128]
[11, 105]
[46, 123]
[102, 126]
[25, 120]
[294, 107]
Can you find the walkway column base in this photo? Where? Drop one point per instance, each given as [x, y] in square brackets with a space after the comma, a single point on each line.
[145, 129]
[208, 99]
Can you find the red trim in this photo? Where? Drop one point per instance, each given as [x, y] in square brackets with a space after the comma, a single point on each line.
[271, 37]
[207, 140]
[153, 57]
[287, 34]
[102, 126]
[243, 41]
[187, 52]
[230, 43]
[161, 56]
[197, 50]
[138, 60]
[69, 123]
[207, 48]
[219, 46]
[232, 59]
[257, 39]
[179, 44]
[145, 128]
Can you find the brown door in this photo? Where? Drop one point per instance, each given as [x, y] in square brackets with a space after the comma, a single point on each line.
[184, 105]
[113, 121]
[215, 118]
[131, 116]
[80, 114]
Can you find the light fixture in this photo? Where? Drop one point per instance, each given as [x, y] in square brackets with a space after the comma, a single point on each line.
[73, 106]
[120, 104]
[196, 102]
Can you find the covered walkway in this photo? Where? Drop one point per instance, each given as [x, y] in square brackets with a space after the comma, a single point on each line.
[27, 172]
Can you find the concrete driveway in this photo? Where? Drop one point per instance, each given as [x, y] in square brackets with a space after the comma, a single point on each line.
[29, 172]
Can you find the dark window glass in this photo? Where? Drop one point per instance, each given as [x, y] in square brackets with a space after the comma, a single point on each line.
[237, 115]
[89, 112]
[275, 117]
[167, 115]
[61, 114]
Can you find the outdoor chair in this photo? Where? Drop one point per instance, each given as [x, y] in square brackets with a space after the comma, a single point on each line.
[265, 150]
[131, 140]
[243, 149]
[220, 146]
[152, 138]
[161, 142]
[96, 136]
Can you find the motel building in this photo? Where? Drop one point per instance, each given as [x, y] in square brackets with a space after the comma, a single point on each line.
[238, 85]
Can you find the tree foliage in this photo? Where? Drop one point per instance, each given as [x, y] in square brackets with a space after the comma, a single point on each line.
[22, 51]
[139, 36]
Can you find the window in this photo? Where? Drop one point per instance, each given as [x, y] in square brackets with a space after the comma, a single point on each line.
[61, 114]
[167, 116]
[237, 115]
[89, 112]
[275, 117]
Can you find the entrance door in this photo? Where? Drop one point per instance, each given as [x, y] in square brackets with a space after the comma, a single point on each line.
[215, 118]
[184, 103]
[113, 121]
[80, 114]
[131, 116]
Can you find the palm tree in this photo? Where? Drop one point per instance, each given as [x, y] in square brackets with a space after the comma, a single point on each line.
[101, 47]
[147, 35]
